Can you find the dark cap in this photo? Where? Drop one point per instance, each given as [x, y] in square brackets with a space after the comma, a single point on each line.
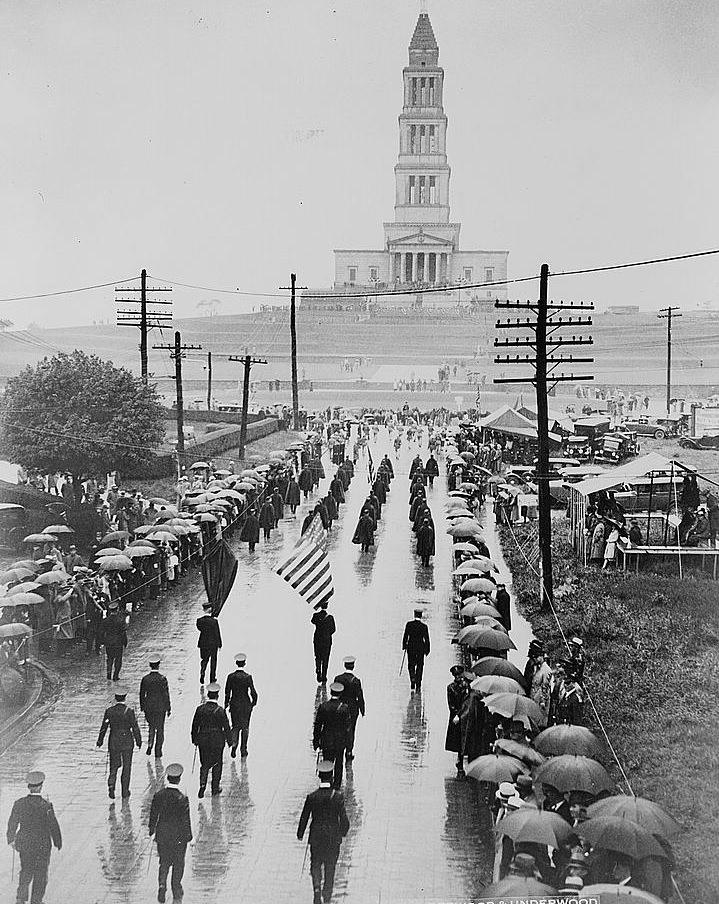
[213, 689]
[523, 781]
[326, 767]
[174, 771]
[207, 605]
[418, 613]
[324, 604]
[457, 670]
[336, 688]
[35, 779]
[524, 864]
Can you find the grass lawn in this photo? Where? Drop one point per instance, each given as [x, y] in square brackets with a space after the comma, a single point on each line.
[652, 645]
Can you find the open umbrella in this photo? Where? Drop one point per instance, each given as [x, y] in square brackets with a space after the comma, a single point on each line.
[116, 563]
[479, 609]
[223, 472]
[158, 500]
[620, 894]
[519, 751]
[528, 824]
[25, 587]
[39, 538]
[465, 528]
[140, 552]
[478, 638]
[16, 629]
[145, 529]
[493, 665]
[56, 529]
[646, 813]
[230, 494]
[522, 887]
[198, 465]
[497, 684]
[108, 551]
[489, 621]
[15, 574]
[613, 833]
[574, 739]
[464, 546]
[206, 516]
[468, 485]
[477, 565]
[458, 516]
[575, 773]
[495, 768]
[114, 536]
[483, 470]
[163, 536]
[21, 599]
[26, 563]
[520, 709]
[249, 472]
[478, 585]
[52, 577]
[140, 544]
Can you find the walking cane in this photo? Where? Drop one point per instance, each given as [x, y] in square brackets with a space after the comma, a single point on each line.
[404, 656]
[149, 858]
[304, 859]
[107, 762]
[194, 757]
[12, 874]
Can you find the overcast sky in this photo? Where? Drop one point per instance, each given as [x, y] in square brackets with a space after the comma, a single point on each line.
[226, 143]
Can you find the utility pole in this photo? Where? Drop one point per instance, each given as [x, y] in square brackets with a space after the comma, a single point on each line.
[667, 314]
[177, 353]
[544, 362]
[144, 319]
[248, 361]
[293, 337]
[209, 381]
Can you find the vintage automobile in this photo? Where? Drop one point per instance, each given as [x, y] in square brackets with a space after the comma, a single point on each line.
[578, 447]
[13, 525]
[658, 427]
[616, 446]
[699, 442]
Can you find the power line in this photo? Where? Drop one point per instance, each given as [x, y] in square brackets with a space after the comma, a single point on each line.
[115, 282]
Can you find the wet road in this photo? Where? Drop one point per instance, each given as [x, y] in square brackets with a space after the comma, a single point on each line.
[417, 833]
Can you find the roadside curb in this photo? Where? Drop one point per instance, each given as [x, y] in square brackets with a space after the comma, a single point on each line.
[46, 684]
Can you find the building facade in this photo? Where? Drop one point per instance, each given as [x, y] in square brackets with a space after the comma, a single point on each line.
[422, 244]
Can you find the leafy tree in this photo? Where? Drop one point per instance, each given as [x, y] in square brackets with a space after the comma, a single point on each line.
[80, 415]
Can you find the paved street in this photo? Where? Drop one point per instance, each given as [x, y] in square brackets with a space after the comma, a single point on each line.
[417, 833]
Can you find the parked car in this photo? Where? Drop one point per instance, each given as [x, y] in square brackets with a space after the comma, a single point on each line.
[699, 442]
[13, 525]
[657, 427]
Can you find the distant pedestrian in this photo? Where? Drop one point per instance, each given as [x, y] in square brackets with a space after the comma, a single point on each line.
[209, 642]
[457, 693]
[113, 635]
[292, 494]
[210, 732]
[32, 830]
[251, 529]
[155, 703]
[331, 729]
[425, 541]
[121, 720]
[354, 698]
[415, 642]
[267, 519]
[431, 469]
[364, 532]
[240, 700]
[322, 640]
[326, 808]
[502, 604]
[171, 826]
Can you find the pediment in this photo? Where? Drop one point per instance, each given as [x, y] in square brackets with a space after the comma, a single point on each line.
[420, 238]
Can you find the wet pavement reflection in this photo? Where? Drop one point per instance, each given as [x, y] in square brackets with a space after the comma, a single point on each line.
[417, 833]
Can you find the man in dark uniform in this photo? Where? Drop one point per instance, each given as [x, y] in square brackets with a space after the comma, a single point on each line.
[124, 731]
[32, 830]
[329, 826]
[114, 636]
[209, 642]
[354, 698]
[322, 640]
[332, 721]
[155, 703]
[431, 469]
[210, 732]
[503, 606]
[240, 699]
[170, 824]
[416, 644]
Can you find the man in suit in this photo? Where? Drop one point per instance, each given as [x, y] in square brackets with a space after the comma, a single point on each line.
[329, 826]
[415, 643]
[170, 824]
[240, 699]
[155, 703]
[32, 830]
[209, 642]
[332, 721]
[210, 732]
[113, 635]
[322, 640]
[354, 698]
[124, 730]
[503, 606]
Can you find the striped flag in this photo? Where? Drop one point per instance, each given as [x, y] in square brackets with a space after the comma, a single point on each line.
[307, 568]
[370, 465]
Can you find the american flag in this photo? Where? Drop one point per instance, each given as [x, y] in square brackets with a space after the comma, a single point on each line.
[370, 465]
[307, 568]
